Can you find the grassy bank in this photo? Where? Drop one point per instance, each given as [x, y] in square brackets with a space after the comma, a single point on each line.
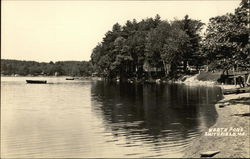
[209, 76]
[234, 118]
[203, 78]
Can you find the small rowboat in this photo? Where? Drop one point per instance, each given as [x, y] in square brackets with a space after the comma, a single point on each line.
[209, 153]
[70, 78]
[36, 81]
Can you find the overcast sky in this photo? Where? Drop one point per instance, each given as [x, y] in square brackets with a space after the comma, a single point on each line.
[69, 30]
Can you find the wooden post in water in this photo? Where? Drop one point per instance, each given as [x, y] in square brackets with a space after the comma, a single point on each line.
[234, 76]
[248, 80]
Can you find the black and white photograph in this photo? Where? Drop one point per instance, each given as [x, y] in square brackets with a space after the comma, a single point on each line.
[125, 79]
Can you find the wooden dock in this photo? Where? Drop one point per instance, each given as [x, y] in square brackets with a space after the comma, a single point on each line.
[236, 90]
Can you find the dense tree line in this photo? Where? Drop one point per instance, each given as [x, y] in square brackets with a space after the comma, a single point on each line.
[155, 48]
[23, 68]
[139, 49]
[159, 48]
[226, 43]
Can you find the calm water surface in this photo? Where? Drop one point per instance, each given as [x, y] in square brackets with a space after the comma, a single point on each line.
[99, 119]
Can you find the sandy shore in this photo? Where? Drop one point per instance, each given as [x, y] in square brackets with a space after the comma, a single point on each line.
[231, 133]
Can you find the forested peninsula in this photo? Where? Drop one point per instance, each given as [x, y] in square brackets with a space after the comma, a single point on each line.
[154, 49]
[157, 49]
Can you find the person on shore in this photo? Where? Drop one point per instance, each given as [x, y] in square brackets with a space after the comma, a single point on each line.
[240, 81]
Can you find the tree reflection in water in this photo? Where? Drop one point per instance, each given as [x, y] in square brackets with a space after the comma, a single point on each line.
[159, 116]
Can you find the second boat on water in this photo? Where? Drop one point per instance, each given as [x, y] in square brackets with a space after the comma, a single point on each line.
[70, 78]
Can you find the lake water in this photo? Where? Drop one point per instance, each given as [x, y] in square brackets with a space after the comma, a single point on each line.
[90, 118]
